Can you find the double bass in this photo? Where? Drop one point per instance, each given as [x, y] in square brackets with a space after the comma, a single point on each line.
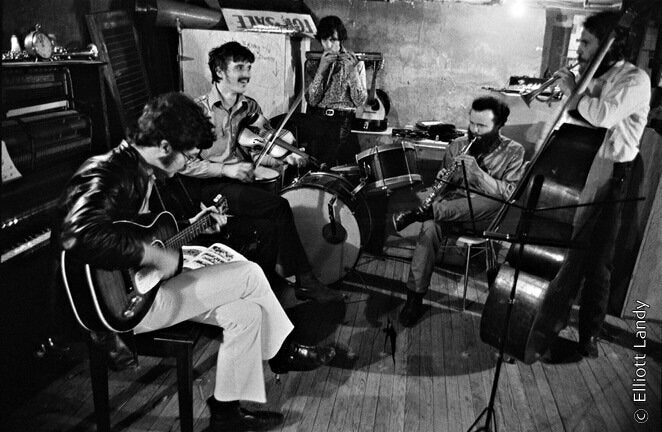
[547, 268]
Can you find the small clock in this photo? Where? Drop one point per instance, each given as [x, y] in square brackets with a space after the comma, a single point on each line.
[39, 44]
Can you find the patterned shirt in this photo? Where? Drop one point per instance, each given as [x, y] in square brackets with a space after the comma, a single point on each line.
[337, 87]
[619, 101]
[226, 123]
[505, 165]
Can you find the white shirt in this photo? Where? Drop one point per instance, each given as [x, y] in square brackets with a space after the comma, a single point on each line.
[618, 101]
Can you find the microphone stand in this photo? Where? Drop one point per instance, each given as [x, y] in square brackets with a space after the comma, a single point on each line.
[522, 231]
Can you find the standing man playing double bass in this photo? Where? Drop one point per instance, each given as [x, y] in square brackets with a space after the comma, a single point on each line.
[618, 99]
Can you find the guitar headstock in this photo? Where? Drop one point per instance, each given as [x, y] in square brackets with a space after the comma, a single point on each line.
[221, 204]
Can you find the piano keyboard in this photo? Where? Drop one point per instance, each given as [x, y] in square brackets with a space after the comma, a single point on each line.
[29, 245]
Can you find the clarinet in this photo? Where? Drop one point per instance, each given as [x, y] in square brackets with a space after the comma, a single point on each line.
[440, 185]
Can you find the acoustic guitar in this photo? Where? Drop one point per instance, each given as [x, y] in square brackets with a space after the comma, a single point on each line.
[117, 300]
[371, 116]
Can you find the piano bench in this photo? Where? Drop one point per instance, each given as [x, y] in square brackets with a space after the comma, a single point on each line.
[176, 341]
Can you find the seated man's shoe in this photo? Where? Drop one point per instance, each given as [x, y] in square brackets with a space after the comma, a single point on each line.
[413, 309]
[296, 357]
[308, 287]
[588, 346]
[403, 219]
[117, 354]
[230, 417]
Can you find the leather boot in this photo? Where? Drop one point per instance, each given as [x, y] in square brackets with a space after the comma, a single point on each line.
[413, 309]
[308, 287]
[403, 219]
[296, 357]
[231, 417]
[117, 354]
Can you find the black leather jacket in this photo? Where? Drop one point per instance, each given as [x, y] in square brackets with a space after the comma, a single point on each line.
[106, 188]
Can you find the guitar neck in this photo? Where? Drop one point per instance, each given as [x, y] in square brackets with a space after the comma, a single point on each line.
[186, 235]
[373, 85]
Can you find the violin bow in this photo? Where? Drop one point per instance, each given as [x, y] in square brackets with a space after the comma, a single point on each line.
[267, 148]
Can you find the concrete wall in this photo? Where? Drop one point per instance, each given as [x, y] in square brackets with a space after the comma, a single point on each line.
[439, 55]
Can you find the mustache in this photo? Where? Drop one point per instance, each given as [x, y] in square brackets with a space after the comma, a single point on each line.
[246, 79]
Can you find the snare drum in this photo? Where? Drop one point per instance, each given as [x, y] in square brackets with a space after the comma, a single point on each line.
[351, 173]
[267, 179]
[389, 166]
[332, 223]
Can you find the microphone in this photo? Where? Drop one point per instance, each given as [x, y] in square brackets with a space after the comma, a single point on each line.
[333, 232]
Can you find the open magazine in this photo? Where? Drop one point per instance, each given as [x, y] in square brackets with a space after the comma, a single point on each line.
[198, 256]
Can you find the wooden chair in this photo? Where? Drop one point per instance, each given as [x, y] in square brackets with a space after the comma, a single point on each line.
[474, 246]
[176, 341]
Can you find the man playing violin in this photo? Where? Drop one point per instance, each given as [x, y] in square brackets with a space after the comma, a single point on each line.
[618, 99]
[494, 164]
[228, 168]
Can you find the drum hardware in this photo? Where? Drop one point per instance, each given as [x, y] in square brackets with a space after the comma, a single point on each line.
[333, 232]
[348, 214]
[360, 186]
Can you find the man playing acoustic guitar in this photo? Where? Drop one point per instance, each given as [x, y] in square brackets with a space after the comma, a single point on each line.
[235, 296]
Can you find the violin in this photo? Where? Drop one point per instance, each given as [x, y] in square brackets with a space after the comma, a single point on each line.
[285, 142]
[283, 145]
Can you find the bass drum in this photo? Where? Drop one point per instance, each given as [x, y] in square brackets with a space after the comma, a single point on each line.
[332, 223]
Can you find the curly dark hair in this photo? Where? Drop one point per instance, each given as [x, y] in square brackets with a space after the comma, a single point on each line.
[176, 118]
[328, 25]
[600, 25]
[219, 57]
[500, 109]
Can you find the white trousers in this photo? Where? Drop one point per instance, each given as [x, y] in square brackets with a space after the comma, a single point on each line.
[237, 297]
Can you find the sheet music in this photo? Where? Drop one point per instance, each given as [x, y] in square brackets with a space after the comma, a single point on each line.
[197, 256]
[9, 170]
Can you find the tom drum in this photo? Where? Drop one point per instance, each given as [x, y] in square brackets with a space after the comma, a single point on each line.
[389, 166]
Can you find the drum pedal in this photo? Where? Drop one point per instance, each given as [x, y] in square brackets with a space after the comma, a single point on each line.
[360, 186]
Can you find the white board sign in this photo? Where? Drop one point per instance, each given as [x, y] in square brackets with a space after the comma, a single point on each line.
[242, 20]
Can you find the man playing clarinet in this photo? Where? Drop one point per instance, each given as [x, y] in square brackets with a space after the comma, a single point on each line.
[493, 164]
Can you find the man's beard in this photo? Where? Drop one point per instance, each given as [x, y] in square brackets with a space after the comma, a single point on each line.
[606, 64]
[485, 142]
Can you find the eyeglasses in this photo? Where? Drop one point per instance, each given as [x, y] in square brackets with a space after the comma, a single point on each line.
[191, 158]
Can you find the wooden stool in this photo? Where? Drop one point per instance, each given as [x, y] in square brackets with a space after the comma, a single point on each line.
[176, 341]
[481, 245]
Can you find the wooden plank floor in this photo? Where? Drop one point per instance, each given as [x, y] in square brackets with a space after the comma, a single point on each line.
[438, 380]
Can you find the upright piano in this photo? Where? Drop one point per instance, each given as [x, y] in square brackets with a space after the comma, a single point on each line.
[46, 136]
[53, 118]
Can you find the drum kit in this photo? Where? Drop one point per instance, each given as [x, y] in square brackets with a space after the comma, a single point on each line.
[331, 210]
